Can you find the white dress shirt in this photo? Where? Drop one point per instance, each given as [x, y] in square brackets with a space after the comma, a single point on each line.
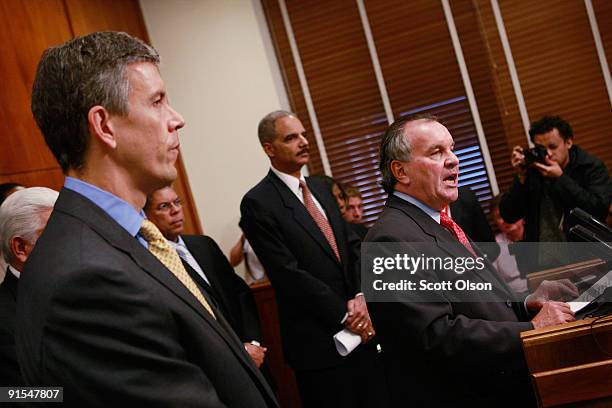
[435, 214]
[294, 185]
[185, 255]
[14, 271]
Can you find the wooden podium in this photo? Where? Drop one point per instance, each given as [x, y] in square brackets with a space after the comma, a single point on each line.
[571, 364]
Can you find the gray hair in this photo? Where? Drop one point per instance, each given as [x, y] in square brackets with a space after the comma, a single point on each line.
[395, 146]
[267, 128]
[72, 78]
[20, 216]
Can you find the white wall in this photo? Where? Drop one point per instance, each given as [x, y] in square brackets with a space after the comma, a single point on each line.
[221, 75]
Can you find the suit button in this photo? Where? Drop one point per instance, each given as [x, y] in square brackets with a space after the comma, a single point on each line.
[509, 303]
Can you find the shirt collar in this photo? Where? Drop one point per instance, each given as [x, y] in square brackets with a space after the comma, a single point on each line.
[435, 214]
[119, 210]
[179, 243]
[14, 271]
[291, 181]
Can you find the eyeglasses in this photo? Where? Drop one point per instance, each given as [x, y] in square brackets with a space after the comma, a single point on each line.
[165, 207]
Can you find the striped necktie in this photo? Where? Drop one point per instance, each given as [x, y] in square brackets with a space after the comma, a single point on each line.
[447, 222]
[319, 218]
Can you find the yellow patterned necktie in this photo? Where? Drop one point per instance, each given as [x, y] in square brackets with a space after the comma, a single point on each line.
[162, 250]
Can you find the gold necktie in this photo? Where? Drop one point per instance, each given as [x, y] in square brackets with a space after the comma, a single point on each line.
[162, 250]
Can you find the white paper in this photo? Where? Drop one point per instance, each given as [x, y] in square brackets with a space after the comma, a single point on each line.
[596, 290]
[576, 306]
[346, 341]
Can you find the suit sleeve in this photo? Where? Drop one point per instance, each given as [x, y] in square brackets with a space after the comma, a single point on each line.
[435, 328]
[264, 235]
[594, 197]
[114, 340]
[241, 297]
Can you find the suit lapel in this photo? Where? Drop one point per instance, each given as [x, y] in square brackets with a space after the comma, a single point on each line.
[302, 216]
[75, 205]
[10, 283]
[447, 241]
[203, 257]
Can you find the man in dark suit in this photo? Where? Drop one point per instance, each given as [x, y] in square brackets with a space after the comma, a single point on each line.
[105, 307]
[211, 270]
[294, 225]
[23, 216]
[439, 350]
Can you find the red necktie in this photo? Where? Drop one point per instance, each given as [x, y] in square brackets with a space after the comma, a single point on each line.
[447, 222]
[319, 218]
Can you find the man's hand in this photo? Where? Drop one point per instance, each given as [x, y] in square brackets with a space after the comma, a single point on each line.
[257, 353]
[367, 333]
[558, 290]
[553, 313]
[358, 320]
[358, 315]
[551, 169]
[517, 159]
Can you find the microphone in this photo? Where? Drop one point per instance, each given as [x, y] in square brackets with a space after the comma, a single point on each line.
[592, 222]
[604, 250]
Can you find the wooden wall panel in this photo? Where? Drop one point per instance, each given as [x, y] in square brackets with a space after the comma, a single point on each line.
[52, 178]
[559, 69]
[26, 30]
[88, 16]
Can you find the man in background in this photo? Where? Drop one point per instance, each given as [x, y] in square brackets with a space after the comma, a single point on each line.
[23, 217]
[298, 234]
[354, 210]
[505, 263]
[105, 307]
[209, 268]
[545, 191]
[6, 189]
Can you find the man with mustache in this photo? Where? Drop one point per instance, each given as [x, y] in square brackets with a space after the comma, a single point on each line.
[294, 225]
[210, 269]
[440, 350]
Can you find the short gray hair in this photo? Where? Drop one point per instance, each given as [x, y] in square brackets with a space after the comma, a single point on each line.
[73, 77]
[267, 128]
[395, 146]
[20, 216]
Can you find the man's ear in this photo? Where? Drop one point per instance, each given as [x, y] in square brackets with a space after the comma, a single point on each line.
[269, 149]
[101, 126]
[20, 249]
[569, 142]
[399, 172]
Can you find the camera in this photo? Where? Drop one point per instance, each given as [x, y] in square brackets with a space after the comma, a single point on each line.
[535, 154]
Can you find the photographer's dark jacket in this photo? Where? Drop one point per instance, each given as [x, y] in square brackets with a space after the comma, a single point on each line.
[584, 183]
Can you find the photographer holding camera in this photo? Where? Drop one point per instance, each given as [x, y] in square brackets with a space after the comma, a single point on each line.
[551, 179]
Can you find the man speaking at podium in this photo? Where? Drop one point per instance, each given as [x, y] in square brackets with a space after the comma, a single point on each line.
[446, 353]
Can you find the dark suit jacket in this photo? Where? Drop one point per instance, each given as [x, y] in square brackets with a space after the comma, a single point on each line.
[312, 287]
[439, 354]
[231, 292]
[584, 184]
[99, 315]
[9, 369]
